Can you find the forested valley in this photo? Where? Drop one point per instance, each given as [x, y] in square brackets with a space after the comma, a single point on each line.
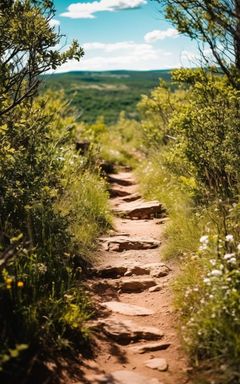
[63, 138]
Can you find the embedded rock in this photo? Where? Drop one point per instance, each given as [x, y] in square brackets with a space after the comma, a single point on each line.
[126, 331]
[132, 197]
[136, 285]
[111, 272]
[137, 269]
[140, 210]
[125, 243]
[117, 191]
[121, 179]
[150, 347]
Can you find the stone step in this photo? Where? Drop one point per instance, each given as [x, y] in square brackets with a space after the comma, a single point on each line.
[135, 285]
[131, 269]
[127, 309]
[121, 179]
[140, 210]
[116, 190]
[132, 197]
[125, 243]
[126, 331]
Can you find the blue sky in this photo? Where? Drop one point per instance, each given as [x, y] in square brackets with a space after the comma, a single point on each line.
[122, 34]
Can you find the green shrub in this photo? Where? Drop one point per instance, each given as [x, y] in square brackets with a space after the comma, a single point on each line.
[52, 209]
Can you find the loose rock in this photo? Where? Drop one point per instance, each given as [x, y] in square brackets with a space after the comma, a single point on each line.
[127, 309]
[159, 364]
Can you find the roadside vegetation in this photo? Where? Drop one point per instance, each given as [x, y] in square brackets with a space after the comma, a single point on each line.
[53, 201]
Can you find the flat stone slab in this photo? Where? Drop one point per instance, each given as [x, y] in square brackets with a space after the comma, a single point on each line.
[121, 179]
[140, 210]
[150, 347]
[124, 377]
[126, 331]
[153, 269]
[130, 285]
[125, 243]
[132, 197]
[111, 272]
[159, 364]
[116, 190]
[127, 309]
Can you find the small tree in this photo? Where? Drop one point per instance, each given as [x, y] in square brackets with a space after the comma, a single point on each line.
[27, 50]
[214, 22]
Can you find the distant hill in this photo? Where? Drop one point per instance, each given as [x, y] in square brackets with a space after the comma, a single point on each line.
[105, 94]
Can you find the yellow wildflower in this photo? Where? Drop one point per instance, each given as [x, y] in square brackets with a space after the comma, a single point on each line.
[20, 284]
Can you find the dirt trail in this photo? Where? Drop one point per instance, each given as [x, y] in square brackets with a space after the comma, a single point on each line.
[131, 272]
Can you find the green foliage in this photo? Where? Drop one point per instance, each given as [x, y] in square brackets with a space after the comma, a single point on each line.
[106, 94]
[195, 173]
[124, 136]
[184, 227]
[52, 208]
[215, 24]
[53, 204]
[27, 50]
[209, 125]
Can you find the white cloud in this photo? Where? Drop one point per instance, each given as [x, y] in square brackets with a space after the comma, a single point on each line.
[54, 23]
[120, 55]
[87, 10]
[160, 35]
[129, 46]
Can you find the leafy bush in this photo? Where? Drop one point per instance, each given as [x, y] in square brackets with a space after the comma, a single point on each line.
[43, 308]
[192, 166]
[52, 209]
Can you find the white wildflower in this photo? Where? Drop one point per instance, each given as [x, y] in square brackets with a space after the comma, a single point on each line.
[229, 238]
[233, 260]
[204, 239]
[207, 280]
[228, 256]
[216, 272]
[213, 262]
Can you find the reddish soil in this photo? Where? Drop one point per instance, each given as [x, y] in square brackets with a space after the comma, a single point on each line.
[111, 356]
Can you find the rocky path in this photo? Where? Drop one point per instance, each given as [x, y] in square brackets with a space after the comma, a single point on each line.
[135, 333]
